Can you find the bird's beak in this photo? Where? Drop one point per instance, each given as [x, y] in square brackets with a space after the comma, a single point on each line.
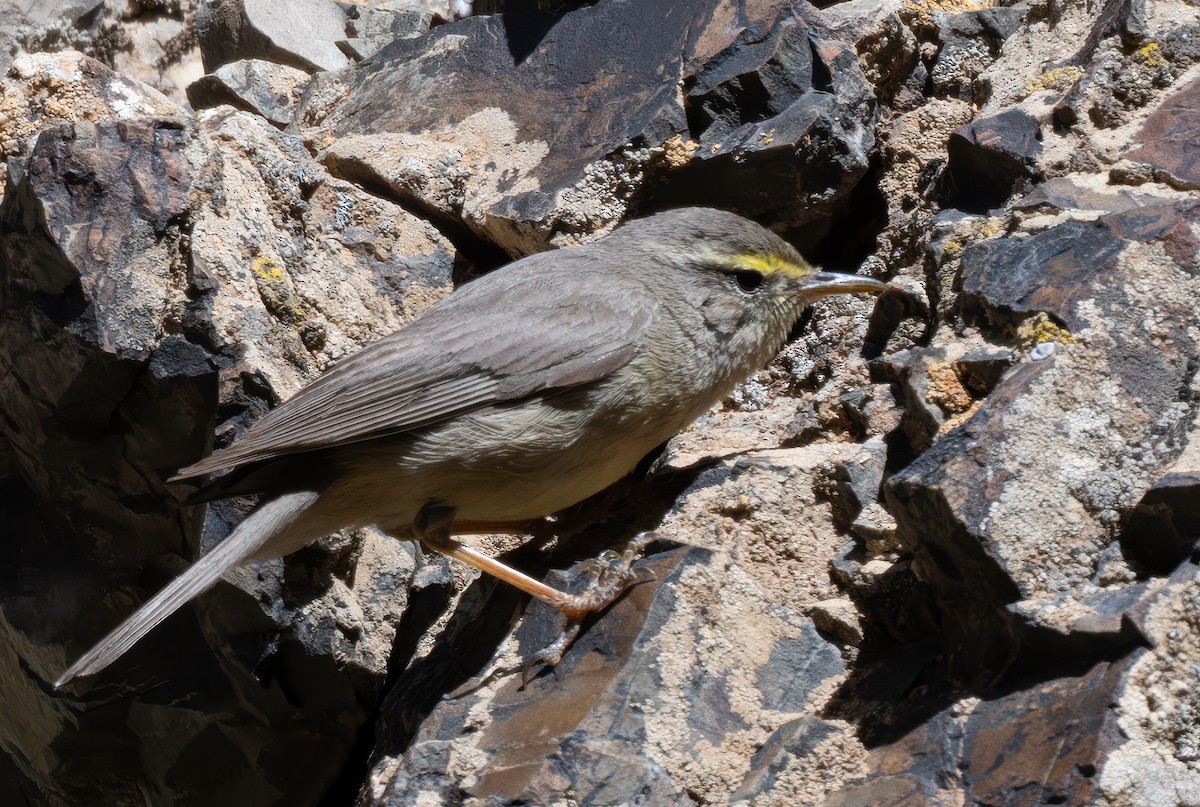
[822, 284]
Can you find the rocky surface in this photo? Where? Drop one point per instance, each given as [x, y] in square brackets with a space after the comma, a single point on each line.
[154, 42]
[941, 551]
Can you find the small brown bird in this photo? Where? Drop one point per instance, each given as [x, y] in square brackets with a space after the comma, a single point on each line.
[516, 396]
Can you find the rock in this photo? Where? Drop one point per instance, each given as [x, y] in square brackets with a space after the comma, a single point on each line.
[43, 88]
[989, 155]
[148, 45]
[853, 485]
[370, 28]
[658, 667]
[1042, 741]
[137, 256]
[25, 25]
[1089, 737]
[941, 385]
[877, 528]
[1166, 140]
[886, 46]
[610, 678]
[1012, 618]
[763, 107]
[264, 88]
[873, 410]
[970, 42]
[1094, 424]
[801, 752]
[1162, 530]
[1071, 193]
[477, 147]
[838, 619]
[297, 33]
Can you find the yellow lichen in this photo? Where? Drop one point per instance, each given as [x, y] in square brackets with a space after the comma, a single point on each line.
[266, 269]
[1151, 55]
[1041, 328]
[990, 226]
[1058, 78]
[275, 292]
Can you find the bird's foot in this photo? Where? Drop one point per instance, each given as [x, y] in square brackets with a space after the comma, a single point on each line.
[608, 576]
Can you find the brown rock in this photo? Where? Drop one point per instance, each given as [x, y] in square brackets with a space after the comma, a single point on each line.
[989, 155]
[41, 89]
[1168, 139]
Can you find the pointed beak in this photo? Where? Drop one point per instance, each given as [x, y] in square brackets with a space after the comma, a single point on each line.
[822, 284]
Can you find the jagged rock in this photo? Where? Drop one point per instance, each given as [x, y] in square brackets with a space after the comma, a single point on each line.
[789, 766]
[264, 88]
[1019, 502]
[886, 46]
[1164, 527]
[941, 384]
[1119, 733]
[839, 620]
[873, 410]
[298, 33]
[151, 45]
[649, 702]
[47, 87]
[1076, 193]
[775, 107]
[477, 145]
[970, 43]
[370, 28]
[29, 22]
[1015, 619]
[853, 484]
[132, 255]
[989, 155]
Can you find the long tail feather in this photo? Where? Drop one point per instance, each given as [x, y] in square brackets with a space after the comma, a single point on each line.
[239, 546]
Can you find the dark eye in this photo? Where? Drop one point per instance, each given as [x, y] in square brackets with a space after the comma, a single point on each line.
[748, 280]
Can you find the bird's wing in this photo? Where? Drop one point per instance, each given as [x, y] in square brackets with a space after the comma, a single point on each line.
[549, 321]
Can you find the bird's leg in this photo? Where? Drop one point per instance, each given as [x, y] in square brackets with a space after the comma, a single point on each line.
[433, 526]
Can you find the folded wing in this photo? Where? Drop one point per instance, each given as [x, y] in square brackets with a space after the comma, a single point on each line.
[549, 321]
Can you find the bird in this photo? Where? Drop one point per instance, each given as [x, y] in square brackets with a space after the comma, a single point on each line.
[517, 395]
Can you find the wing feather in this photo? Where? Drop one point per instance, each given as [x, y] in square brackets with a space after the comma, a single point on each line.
[549, 321]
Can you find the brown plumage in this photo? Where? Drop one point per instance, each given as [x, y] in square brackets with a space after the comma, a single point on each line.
[516, 396]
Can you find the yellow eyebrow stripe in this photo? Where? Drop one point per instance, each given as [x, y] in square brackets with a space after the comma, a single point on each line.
[771, 264]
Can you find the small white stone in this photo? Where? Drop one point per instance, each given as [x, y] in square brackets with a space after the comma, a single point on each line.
[1042, 351]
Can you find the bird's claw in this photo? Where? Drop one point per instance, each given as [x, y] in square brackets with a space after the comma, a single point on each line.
[608, 576]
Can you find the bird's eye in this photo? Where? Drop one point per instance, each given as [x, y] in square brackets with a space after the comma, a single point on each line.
[748, 280]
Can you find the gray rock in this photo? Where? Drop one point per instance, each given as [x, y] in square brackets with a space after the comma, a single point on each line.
[370, 28]
[298, 33]
[970, 42]
[264, 88]
[1018, 502]
[478, 147]
[588, 726]
[116, 362]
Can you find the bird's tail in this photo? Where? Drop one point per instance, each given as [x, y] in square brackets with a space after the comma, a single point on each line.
[243, 543]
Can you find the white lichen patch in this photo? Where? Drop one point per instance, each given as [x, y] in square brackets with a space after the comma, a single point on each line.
[1159, 710]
